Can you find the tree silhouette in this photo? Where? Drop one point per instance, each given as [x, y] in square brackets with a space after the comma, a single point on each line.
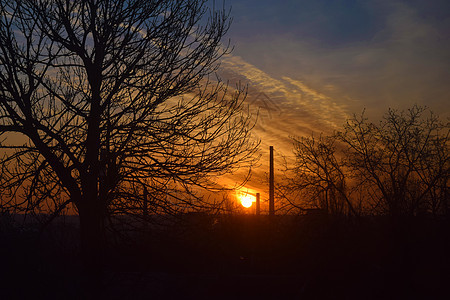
[317, 179]
[397, 167]
[101, 99]
[402, 162]
[320, 175]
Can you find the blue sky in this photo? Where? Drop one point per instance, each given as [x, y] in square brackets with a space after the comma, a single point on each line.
[393, 52]
[317, 62]
[329, 22]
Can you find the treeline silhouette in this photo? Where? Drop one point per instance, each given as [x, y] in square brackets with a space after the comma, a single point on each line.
[363, 214]
[397, 167]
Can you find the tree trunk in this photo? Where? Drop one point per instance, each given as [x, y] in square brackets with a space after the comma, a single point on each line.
[92, 246]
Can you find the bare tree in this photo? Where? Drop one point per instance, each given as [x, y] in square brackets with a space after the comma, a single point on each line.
[319, 176]
[402, 162]
[399, 166]
[100, 99]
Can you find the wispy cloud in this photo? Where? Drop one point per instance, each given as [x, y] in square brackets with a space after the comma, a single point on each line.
[285, 108]
[403, 60]
[309, 80]
[285, 98]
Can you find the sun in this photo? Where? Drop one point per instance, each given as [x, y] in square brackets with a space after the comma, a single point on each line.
[246, 200]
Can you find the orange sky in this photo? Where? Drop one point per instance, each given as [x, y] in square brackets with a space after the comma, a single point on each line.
[309, 65]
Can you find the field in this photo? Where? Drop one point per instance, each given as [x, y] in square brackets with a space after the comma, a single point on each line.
[237, 257]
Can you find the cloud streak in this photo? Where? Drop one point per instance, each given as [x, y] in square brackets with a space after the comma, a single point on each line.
[402, 60]
[309, 66]
[285, 108]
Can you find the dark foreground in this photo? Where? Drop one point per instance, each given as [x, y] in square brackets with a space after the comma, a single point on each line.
[238, 257]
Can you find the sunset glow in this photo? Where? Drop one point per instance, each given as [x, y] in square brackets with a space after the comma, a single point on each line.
[136, 135]
[246, 200]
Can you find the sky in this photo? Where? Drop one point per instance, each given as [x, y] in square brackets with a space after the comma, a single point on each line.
[309, 65]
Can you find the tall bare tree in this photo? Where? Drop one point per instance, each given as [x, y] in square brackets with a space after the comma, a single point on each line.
[399, 166]
[402, 162]
[101, 98]
[318, 176]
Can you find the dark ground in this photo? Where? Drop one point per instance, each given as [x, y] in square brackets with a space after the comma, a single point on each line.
[239, 257]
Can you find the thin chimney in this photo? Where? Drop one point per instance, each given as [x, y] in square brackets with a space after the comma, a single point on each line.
[258, 204]
[271, 185]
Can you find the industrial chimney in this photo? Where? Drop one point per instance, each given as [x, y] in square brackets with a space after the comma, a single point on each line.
[271, 185]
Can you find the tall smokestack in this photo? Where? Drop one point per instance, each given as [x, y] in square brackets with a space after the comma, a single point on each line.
[271, 185]
[258, 204]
